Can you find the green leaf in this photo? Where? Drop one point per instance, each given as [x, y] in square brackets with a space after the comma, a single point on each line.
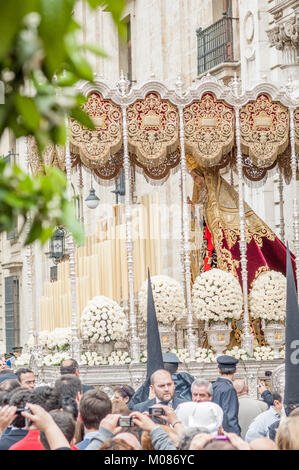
[46, 234]
[116, 7]
[80, 65]
[59, 134]
[56, 18]
[72, 224]
[94, 49]
[34, 232]
[28, 110]
[12, 13]
[82, 117]
[95, 3]
[42, 138]
[66, 79]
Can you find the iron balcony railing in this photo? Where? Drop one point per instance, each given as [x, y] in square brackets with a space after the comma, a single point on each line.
[215, 44]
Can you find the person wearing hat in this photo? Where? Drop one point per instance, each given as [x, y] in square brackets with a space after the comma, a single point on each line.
[17, 351]
[9, 359]
[205, 415]
[182, 380]
[225, 395]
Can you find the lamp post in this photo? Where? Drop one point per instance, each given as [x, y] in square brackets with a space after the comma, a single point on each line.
[57, 246]
[92, 200]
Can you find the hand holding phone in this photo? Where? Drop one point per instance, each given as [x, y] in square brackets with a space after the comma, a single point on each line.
[126, 422]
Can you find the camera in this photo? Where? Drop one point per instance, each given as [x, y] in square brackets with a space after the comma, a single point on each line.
[268, 373]
[126, 422]
[156, 411]
[20, 410]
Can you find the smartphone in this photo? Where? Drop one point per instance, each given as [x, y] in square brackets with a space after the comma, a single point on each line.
[126, 422]
[220, 438]
[153, 411]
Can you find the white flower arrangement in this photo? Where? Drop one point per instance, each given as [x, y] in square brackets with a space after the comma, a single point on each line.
[201, 355]
[204, 355]
[23, 360]
[92, 359]
[59, 339]
[267, 299]
[56, 358]
[103, 320]
[168, 297]
[119, 358]
[116, 358]
[143, 357]
[216, 296]
[263, 353]
[238, 353]
[182, 354]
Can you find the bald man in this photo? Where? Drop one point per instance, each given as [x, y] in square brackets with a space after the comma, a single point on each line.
[163, 387]
[71, 366]
[249, 407]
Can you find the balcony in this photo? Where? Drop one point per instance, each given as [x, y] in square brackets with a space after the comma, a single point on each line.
[215, 49]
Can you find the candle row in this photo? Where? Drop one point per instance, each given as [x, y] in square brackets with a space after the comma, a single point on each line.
[101, 265]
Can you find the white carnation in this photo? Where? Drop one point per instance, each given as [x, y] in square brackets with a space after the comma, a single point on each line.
[168, 297]
[217, 295]
[267, 299]
[108, 321]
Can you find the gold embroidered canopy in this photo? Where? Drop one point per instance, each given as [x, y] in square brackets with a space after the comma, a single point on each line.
[153, 130]
[95, 147]
[152, 115]
[53, 155]
[209, 130]
[264, 126]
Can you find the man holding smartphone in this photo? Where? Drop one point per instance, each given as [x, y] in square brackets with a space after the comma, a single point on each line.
[164, 389]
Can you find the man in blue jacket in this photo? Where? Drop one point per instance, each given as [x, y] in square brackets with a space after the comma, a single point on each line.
[225, 395]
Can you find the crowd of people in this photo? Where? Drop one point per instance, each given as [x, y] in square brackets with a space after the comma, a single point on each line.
[72, 416]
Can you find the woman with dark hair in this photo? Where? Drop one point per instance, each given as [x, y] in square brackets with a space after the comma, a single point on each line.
[123, 393]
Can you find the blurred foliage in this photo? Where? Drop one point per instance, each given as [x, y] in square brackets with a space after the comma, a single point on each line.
[43, 197]
[41, 60]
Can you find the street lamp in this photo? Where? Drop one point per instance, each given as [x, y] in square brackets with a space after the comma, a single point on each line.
[92, 200]
[120, 189]
[57, 246]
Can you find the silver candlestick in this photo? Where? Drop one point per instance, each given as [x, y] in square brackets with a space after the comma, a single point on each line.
[76, 343]
[294, 184]
[123, 86]
[247, 338]
[281, 208]
[186, 240]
